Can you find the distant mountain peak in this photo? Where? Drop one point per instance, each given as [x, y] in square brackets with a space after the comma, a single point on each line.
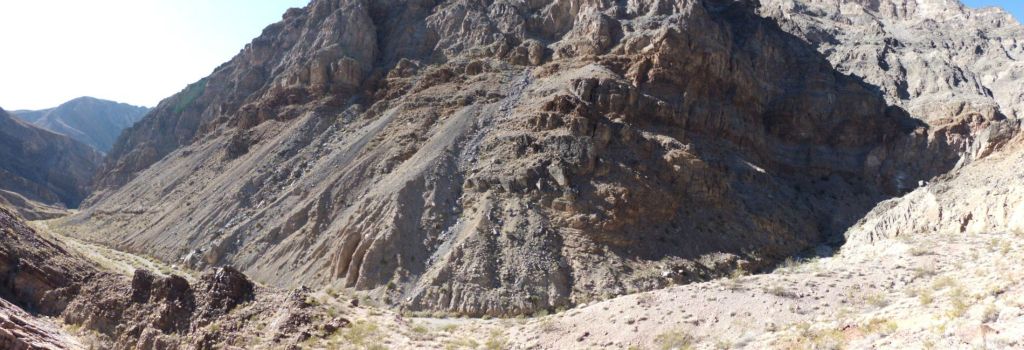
[93, 121]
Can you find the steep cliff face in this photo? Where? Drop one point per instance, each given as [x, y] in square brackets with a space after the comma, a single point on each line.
[505, 157]
[936, 58]
[92, 121]
[42, 172]
[949, 65]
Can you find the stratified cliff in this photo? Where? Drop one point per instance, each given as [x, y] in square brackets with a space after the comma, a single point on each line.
[504, 157]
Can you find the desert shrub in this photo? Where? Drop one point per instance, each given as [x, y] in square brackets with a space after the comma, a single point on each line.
[496, 341]
[363, 333]
[674, 340]
[779, 291]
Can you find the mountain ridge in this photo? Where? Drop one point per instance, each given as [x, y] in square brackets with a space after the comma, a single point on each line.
[482, 170]
[41, 172]
[93, 121]
[614, 174]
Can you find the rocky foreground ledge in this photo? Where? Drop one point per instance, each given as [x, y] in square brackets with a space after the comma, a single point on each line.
[41, 278]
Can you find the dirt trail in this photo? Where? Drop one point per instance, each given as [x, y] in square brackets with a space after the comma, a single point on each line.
[107, 258]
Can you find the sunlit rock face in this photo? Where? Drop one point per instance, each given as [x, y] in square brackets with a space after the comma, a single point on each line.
[510, 156]
[936, 58]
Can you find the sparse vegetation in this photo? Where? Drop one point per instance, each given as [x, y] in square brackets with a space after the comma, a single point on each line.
[461, 343]
[420, 329]
[191, 93]
[921, 251]
[944, 282]
[877, 300]
[215, 327]
[959, 303]
[924, 271]
[881, 326]
[790, 264]
[925, 297]
[807, 337]
[645, 300]
[496, 341]
[1004, 247]
[734, 281]
[547, 326]
[674, 340]
[990, 314]
[363, 333]
[780, 291]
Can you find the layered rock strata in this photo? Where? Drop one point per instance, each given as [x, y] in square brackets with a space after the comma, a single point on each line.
[506, 157]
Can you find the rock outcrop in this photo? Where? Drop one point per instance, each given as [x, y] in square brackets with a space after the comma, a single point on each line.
[161, 312]
[92, 121]
[937, 59]
[506, 157]
[955, 68]
[41, 172]
[20, 330]
[144, 311]
[983, 197]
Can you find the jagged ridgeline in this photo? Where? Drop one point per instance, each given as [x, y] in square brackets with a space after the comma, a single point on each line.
[501, 157]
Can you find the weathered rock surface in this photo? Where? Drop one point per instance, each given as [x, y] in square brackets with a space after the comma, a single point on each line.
[20, 330]
[938, 59]
[949, 65]
[36, 273]
[42, 172]
[506, 157]
[92, 121]
[985, 196]
[144, 311]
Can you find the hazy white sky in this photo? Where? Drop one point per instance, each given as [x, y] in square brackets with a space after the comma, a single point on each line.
[134, 51]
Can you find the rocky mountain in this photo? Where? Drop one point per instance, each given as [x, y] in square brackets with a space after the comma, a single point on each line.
[412, 160]
[506, 157]
[949, 65]
[92, 121]
[936, 58]
[42, 173]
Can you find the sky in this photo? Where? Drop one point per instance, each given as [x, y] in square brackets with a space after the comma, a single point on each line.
[133, 51]
[1016, 7]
